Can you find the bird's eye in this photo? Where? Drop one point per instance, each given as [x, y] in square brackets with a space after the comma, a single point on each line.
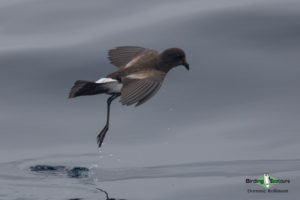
[179, 56]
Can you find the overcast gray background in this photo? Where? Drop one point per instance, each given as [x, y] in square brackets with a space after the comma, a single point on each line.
[239, 101]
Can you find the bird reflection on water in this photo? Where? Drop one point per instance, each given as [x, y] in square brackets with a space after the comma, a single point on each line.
[106, 196]
[74, 172]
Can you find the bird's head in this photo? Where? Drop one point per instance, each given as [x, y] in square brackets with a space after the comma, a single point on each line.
[173, 57]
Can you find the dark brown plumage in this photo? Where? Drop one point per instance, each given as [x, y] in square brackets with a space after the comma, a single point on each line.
[139, 76]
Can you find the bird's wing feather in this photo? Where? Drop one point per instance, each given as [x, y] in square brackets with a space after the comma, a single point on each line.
[139, 90]
[126, 55]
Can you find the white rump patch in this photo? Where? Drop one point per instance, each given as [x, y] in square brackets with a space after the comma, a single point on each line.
[113, 87]
[105, 80]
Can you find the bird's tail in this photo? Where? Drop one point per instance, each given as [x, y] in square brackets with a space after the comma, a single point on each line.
[83, 88]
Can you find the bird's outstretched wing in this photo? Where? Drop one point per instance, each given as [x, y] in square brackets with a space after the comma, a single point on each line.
[126, 55]
[139, 87]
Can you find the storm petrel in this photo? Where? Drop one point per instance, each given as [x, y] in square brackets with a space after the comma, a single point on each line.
[139, 76]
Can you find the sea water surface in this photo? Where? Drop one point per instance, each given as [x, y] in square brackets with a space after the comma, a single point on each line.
[84, 177]
[234, 116]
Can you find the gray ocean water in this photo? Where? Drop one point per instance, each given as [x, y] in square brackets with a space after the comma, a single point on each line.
[234, 115]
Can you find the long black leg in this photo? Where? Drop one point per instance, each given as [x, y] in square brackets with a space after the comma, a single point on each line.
[101, 135]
